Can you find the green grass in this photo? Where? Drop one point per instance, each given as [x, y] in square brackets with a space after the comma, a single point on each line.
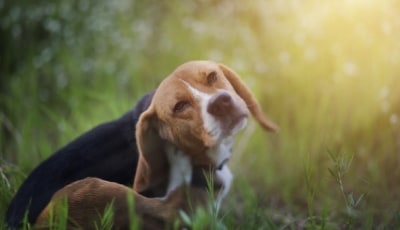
[326, 73]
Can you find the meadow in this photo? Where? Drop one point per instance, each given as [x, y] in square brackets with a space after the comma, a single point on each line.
[327, 72]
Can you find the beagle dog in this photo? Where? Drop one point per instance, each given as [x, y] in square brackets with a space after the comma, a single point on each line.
[190, 124]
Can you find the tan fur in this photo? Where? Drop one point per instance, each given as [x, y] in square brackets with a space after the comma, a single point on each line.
[249, 98]
[89, 198]
[157, 125]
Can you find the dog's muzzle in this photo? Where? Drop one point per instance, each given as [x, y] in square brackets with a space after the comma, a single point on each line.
[228, 112]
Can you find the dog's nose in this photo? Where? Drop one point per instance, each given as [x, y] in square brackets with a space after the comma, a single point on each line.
[220, 104]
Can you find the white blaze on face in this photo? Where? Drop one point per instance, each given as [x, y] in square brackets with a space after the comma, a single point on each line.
[211, 125]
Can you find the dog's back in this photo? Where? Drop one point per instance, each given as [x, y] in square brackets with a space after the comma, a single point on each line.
[108, 151]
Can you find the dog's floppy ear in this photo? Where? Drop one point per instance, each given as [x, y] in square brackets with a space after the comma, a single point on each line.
[244, 92]
[152, 169]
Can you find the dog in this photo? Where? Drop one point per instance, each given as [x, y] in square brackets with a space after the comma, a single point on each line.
[190, 123]
[108, 151]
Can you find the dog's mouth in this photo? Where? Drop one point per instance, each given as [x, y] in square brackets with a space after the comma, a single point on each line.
[228, 126]
[224, 129]
[239, 122]
[231, 125]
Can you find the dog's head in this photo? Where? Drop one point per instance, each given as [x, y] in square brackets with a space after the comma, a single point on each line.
[197, 109]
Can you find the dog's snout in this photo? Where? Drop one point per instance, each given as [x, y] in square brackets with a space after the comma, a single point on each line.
[220, 104]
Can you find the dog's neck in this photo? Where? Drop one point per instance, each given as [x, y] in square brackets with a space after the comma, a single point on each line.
[183, 172]
[180, 170]
[220, 153]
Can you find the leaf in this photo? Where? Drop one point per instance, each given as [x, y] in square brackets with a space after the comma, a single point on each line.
[185, 218]
[350, 199]
[359, 199]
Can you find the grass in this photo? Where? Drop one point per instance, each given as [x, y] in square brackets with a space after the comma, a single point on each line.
[327, 73]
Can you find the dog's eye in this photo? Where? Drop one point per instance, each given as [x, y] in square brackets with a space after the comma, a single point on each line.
[211, 78]
[180, 106]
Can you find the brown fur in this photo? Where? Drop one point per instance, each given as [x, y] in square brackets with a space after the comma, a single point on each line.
[159, 127]
[89, 198]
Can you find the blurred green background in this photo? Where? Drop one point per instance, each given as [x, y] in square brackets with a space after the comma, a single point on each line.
[327, 72]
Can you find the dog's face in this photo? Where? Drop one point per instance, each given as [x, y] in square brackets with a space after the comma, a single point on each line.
[197, 109]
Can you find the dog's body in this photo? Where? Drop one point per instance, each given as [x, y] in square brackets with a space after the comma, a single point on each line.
[108, 151]
[190, 124]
